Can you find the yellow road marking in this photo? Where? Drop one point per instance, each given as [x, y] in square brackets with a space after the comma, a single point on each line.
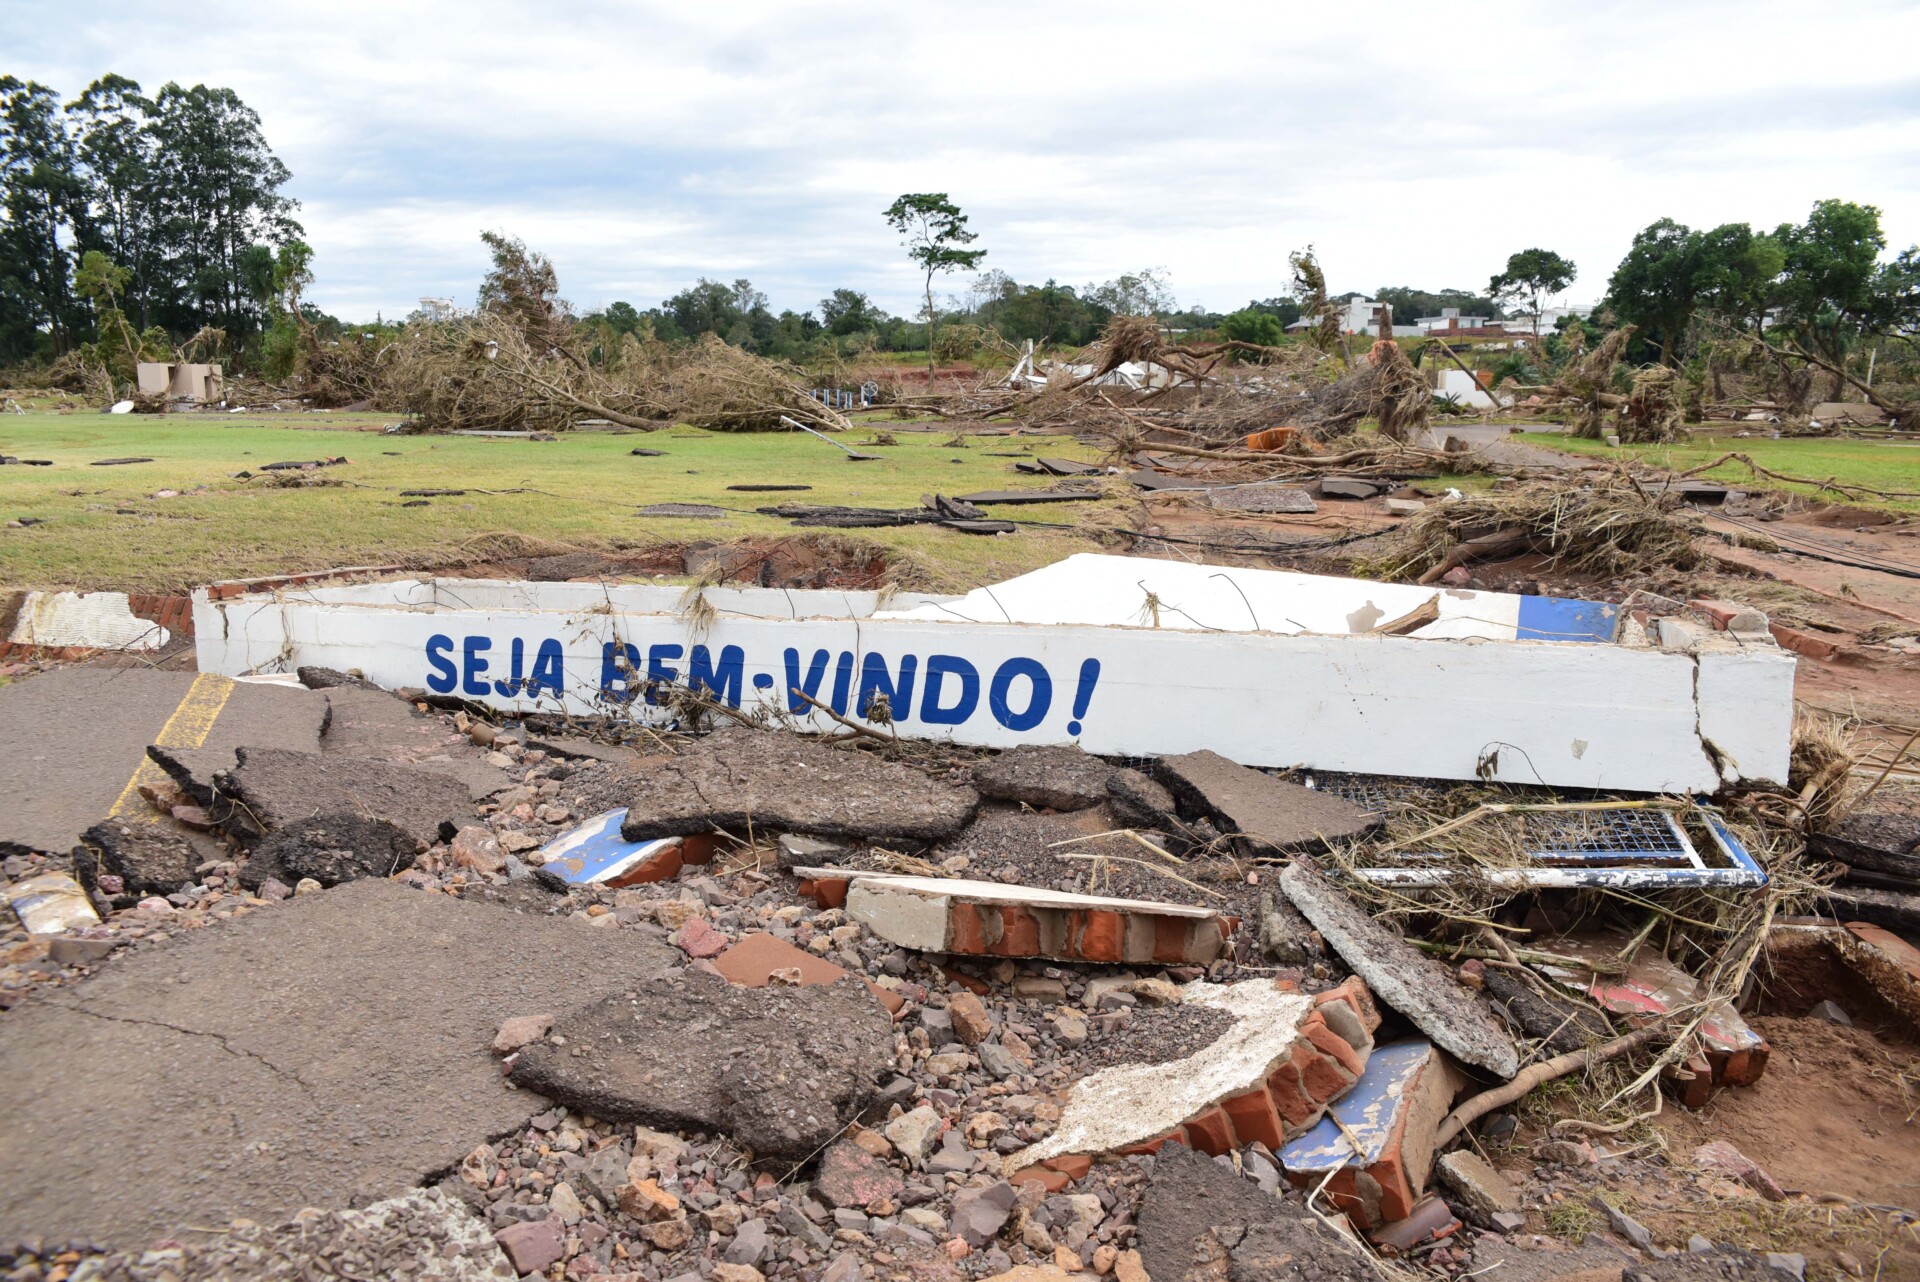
[188, 727]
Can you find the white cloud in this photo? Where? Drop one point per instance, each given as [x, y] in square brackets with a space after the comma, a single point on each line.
[643, 144]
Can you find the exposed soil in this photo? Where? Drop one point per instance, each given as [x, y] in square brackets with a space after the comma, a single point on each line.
[1834, 1113]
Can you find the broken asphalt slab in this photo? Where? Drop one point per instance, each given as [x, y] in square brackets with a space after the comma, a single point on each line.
[1264, 813]
[1045, 777]
[781, 1068]
[331, 1047]
[1401, 976]
[271, 789]
[77, 736]
[1202, 1219]
[762, 781]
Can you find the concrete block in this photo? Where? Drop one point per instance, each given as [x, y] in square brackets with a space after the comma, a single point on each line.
[1393, 1112]
[1267, 1078]
[1483, 1190]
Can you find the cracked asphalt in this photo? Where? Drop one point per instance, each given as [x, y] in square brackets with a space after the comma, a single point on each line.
[328, 1050]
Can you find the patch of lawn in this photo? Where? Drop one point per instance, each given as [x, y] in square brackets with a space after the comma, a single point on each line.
[1880, 465]
[103, 528]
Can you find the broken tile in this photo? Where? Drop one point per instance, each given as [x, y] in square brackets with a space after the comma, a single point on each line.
[758, 958]
[595, 852]
[1735, 1055]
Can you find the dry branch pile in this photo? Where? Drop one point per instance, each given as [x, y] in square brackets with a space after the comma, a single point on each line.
[1611, 527]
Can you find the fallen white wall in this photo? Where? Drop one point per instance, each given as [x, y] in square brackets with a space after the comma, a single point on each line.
[1566, 714]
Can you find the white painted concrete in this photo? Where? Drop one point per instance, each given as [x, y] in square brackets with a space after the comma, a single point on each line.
[97, 620]
[1079, 664]
[1133, 1103]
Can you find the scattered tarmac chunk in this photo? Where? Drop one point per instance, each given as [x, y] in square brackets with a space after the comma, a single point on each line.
[117, 462]
[705, 511]
[330, 1048]
[1402, 977]
[1345, 487]
[148, 858]
[1050, 778]
[739, 779]
[270, 789]
[78, 736]
[1202, 1219]
[1264, 813]
[781, 1068]
[1138, 801]
[331, 849]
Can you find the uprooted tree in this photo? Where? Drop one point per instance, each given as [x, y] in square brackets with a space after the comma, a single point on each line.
[523, 360]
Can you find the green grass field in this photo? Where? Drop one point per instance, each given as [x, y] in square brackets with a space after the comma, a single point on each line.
[104, 529]
[1876, 464]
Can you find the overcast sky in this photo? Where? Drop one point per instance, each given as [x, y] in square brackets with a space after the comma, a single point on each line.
[643, 145]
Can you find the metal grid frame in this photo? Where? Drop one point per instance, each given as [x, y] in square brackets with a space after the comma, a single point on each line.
[1622, 849]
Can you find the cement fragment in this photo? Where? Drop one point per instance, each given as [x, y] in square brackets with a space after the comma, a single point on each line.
[1401, 976]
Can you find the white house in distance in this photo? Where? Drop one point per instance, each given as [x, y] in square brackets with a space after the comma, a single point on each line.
[1358, 316]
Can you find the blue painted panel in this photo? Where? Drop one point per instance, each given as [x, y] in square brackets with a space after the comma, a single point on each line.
[595, 851]
[1368, 1110]
[1555, 618]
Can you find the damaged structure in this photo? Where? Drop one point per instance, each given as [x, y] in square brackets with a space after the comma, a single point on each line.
[1120, 655]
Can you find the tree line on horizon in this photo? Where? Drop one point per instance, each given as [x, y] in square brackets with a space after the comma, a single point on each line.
[136, 222]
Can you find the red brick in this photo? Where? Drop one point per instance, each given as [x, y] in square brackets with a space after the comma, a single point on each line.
[1254, 1118]
[828, 892]
[697, 849]
[1805, 643]
[1050, 1180]
[1211, 1131]
[1290, 1098]
[1019, 932]
[1074, 1166]
[978, 987]
[1100, 936]
[1170, 939]
[966, 933]
[1323, 1078]
[1149, 1147]
[658, 866]
[1332, 1044]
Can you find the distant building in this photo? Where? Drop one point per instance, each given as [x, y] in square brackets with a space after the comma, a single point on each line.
[1450, 321]
[179, 381]
[1357, 316]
